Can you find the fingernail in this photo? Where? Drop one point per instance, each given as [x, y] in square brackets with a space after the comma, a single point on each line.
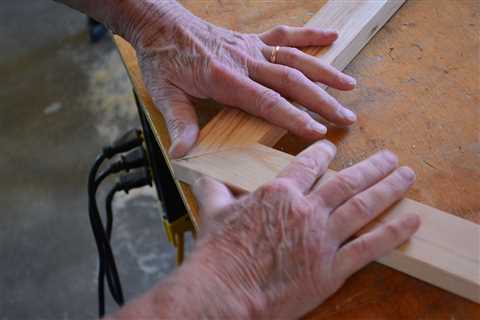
[390, 156]
[317, 127]
[329, 145]
[183, 141]
[349, 115]
[330, 31]
[406, 173]
[351, 81]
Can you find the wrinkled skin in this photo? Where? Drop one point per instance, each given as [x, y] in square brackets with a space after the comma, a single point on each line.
[183, 57]
[282, 250]
[286, 246]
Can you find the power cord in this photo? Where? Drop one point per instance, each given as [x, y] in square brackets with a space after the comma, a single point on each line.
[135, 179]
[133, 159]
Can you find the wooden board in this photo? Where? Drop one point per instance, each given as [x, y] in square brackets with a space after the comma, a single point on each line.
[444, 251]
[356, 22]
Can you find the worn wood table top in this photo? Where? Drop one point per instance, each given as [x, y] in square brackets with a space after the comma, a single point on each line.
[418, 95]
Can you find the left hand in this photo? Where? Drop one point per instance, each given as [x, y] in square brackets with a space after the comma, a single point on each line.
[184, 57]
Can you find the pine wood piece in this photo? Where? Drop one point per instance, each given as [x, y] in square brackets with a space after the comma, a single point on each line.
[444, 251]
[356, 22]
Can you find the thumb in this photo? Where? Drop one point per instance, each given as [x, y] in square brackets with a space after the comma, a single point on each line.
[180, 118]
[212, 196]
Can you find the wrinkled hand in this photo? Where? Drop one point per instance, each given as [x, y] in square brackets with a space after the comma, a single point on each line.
[182, 56]
[283, 249]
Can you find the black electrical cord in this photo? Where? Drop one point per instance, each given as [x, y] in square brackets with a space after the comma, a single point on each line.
[115, 288]
[133, 159]
[131, 139]
[106, 259]
[107, 265]
[135, 179]
[94, 225]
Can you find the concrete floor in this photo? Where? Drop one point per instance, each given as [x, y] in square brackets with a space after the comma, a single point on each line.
[62, 99]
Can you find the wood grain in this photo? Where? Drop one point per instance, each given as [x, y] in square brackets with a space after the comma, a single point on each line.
[444, 251]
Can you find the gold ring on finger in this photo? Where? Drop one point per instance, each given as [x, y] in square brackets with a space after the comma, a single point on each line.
[273, 57]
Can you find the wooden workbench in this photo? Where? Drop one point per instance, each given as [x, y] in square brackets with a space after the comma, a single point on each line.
[417, 95]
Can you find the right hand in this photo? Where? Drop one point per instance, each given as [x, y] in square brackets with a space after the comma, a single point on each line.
[282, 250]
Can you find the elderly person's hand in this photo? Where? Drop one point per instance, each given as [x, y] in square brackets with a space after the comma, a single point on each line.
[282, 250]
[184, 57]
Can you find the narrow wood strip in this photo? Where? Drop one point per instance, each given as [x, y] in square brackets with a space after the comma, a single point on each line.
[444, 251]
[356, 22]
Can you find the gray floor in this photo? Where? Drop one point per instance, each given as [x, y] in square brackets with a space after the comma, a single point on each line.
[63, 98]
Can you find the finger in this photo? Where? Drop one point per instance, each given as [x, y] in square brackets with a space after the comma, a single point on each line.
[375, 244]
[312, 67]
[180, 118]
[250, 96]
[211, 196]
[367, 205]
[309, 165]
[293, 84]
[298, 36]
[355, 179]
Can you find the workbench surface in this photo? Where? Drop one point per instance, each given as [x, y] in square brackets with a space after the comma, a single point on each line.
[417, 95]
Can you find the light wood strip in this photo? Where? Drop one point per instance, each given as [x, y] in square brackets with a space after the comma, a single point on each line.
[444, 251]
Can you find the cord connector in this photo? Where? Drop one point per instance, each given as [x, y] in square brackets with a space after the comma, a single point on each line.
[136, 179]
[134, 159]
[127, 141]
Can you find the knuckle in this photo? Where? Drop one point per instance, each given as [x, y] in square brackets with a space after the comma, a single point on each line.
[301, 207]
[218, 71]
[291, 77]
[346, 183]
[279, 188]
[253, 67]
[310, 32]
[383, 162]
[300, 122]
[308, 164]
[395, 186]
[282, 30]
[290, 54]
[361, 250]
[393, 231]
[361, 208]
[267, 101]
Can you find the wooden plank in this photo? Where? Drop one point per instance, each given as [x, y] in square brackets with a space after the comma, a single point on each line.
[356, 22]
[444, 251]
